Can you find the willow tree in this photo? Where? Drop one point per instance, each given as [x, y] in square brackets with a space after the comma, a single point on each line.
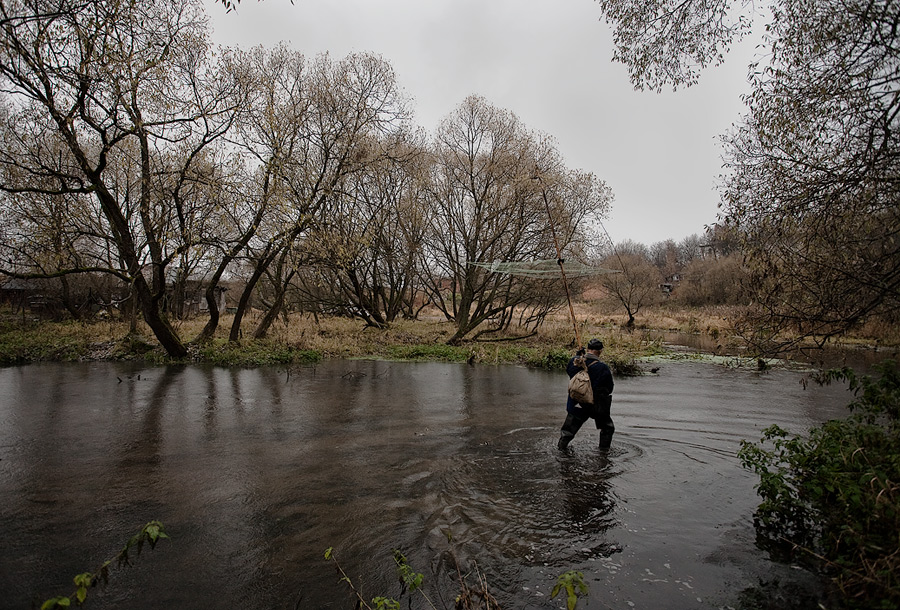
[364, 252]
[310, 136]
[102, 92]
[811, 180]
[266, 133]
[498, 192]
[663, 42]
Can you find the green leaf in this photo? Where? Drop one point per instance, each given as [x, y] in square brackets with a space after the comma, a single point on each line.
[56, 602]
[84, 579]
[385, 603]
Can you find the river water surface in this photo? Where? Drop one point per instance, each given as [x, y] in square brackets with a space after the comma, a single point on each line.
[255, 472]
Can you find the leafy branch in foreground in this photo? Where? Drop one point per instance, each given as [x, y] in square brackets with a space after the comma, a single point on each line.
[835, 494]
[469, 598]
[411, 581]
[150, 534]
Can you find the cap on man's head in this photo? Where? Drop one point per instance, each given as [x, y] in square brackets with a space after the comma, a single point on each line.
[596, 344]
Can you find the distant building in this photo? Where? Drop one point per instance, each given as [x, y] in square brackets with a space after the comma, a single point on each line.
[187, 296]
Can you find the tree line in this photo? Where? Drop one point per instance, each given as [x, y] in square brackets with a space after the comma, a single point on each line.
[700, 270]
[135, 151]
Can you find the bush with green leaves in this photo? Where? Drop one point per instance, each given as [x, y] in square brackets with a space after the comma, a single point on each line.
[832, 497]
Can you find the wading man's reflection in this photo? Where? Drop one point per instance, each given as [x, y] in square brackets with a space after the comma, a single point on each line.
[588, 497]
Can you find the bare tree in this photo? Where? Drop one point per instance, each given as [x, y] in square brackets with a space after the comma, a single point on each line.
[498, 192]
[112, 86]
[637, 282]
[334, 110]
[713, 281]
[690, 249]
[366, 247]
[665, 256]
[265, 135]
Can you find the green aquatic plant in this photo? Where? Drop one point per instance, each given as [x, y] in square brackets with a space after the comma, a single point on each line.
[832, 497]
[150, 534]
[409, 578]
[385, 603]
[470, 597]
[572, 582]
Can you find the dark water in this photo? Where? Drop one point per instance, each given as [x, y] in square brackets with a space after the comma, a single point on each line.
[255, 472]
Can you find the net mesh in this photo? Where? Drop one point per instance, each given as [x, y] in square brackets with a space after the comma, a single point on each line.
[548, 268]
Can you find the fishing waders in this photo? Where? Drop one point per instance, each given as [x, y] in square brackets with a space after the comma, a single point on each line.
[601, 417]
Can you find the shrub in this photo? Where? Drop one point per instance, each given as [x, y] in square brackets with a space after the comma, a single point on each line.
[555, 359]
[834, 496]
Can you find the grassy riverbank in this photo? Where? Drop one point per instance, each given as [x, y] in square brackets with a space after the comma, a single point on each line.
[303, 339]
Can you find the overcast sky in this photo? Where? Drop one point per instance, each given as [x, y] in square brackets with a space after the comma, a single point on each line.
[548, 61]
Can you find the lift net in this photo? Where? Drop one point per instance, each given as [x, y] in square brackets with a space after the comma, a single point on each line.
[544, 269]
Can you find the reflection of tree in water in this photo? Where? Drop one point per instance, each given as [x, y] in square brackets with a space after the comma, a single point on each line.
[142, 446]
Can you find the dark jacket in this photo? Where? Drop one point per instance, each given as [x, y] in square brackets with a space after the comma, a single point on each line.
[601, 380]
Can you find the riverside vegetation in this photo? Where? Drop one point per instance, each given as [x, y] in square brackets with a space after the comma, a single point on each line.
[302, 338]
[831, 498]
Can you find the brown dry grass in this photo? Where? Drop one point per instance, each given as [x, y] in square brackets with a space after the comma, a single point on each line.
[23, 340]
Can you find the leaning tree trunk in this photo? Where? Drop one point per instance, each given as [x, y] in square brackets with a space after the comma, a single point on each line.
[275, 309]
[262, 264]
[157, 321]
[212, 303]
[214, 315]
[146, 300]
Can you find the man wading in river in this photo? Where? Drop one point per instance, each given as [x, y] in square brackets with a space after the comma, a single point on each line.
[602, 386]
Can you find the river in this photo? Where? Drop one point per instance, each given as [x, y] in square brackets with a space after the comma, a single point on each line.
[256, 471]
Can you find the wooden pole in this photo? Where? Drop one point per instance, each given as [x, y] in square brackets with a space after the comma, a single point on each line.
[560, 261]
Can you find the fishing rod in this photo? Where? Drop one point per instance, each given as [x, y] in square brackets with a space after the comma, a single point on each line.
[559, 261]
